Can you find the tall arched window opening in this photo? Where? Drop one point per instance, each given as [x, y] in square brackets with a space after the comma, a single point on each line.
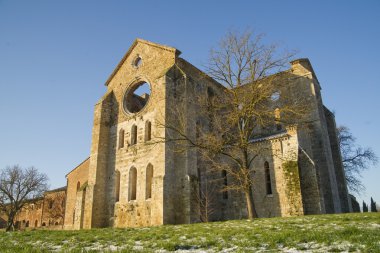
[267, 179]
[225, 183]
[148, 130]
[117, 183]
[277, 116]
[149, 181]
[134, 135]
[121, 138]
[78, 186]
[132, 183]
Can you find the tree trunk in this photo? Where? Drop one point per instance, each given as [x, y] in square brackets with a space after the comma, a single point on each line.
[10, 226]
[250, 204]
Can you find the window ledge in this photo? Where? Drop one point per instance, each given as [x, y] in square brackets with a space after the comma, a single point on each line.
[270, 195]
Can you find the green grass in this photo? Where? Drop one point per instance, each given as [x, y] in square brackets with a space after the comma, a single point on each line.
[322, 233]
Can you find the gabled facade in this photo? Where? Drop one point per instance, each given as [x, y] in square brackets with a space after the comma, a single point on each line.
[134, 177]
[135, 180]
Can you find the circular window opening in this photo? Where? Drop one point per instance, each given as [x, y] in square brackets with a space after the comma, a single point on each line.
[136, 97]
[137, 62]
[275, 96]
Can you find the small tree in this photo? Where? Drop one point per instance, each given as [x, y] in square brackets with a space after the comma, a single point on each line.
[56, 206]
[18, 187]
[373, 206]
[355, 159]
[365, 207]
[206, 199]
[251, 101]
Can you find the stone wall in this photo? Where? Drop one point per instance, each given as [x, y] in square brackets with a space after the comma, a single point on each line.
[307, 82]
[338, 165]
[30, 216]
[108, 201]
[138, 181]
[76, 181]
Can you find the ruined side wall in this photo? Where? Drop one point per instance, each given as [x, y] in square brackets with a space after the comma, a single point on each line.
[186, 86]
[306, 83]
[54, 208]
[338, 165]
[28, 216]
[78, 175]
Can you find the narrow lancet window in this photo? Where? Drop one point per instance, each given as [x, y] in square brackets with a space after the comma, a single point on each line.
[121, 138]
[117, 183]
[149, 181]
[148, 130]
[277, 116]
[134, 135]
[267, 179]
[132, 183]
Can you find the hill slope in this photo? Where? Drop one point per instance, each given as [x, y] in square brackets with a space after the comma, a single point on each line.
[323, 233]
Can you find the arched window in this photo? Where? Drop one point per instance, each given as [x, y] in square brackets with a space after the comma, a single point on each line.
[35, 223]
[277, 116]
[149, 181]
[50, 204]
[27, 224]
[225, 183]
[121, 138]
[267, 178]
[134, 135]
[132, 183]
[210, 92]
[78, 186]
[148, 130]
[117, 183]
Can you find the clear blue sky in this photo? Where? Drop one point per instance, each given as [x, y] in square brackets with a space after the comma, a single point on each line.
[56, 55]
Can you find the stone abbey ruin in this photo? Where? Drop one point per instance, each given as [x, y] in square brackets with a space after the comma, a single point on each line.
[131, 179]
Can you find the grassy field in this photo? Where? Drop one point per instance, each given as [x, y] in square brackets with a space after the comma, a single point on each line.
[323, 233]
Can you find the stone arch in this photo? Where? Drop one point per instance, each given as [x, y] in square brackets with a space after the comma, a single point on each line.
[132, 184]
[149, 181]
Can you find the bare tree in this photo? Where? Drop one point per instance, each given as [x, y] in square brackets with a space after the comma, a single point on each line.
[206, 197]
[250, 106]
[19, 187]
[355, 159]
[55, 206]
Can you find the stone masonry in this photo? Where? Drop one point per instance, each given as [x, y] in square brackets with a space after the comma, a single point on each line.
[135, 178]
